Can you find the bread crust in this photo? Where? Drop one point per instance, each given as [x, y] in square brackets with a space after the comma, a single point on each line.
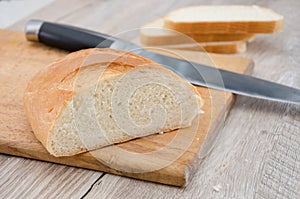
[213, 47]
[169, 37]
[225, 27]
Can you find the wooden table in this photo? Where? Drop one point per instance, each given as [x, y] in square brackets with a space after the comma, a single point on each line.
[257, 154]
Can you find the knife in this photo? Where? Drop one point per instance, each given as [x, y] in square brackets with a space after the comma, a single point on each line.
[72, 38]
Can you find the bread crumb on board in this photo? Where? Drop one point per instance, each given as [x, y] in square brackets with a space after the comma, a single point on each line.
[217, 188]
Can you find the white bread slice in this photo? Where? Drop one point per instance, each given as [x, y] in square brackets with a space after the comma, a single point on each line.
[212, 47]
[96, 97]
[224, 20]
[229, 47]
[154, 34]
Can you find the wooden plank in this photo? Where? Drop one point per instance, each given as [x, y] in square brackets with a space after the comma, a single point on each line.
[44, 174]
[244, 145]
[57, 7]
[18, 139]
[20, 10]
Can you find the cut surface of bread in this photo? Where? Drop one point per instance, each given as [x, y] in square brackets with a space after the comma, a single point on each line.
[97, 97]
[154, 34]
[224, 19]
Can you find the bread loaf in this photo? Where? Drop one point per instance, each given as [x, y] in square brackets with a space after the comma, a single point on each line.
[96, 97]
[224, 20]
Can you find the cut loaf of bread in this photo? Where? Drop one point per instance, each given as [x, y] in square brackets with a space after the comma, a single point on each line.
[154, 34]
[96, 97]
[224, 20]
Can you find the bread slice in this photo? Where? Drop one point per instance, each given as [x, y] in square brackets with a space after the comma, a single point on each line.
[229, 47]
[212, 47]
[224, 20]
[154, 34]
[96, 97]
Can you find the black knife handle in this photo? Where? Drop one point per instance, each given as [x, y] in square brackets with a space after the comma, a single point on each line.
[65, 37]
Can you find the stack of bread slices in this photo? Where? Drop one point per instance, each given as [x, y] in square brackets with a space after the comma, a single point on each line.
[217, 29]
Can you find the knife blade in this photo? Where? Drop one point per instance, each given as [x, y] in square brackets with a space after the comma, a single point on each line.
[73, 38]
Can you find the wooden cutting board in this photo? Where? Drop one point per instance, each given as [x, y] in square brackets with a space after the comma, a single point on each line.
[150, 158]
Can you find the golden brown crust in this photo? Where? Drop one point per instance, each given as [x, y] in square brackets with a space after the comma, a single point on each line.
[269, 25]
[194, 37]
[49, 91]
[212, 47]
[225, 27]
[168, 37]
